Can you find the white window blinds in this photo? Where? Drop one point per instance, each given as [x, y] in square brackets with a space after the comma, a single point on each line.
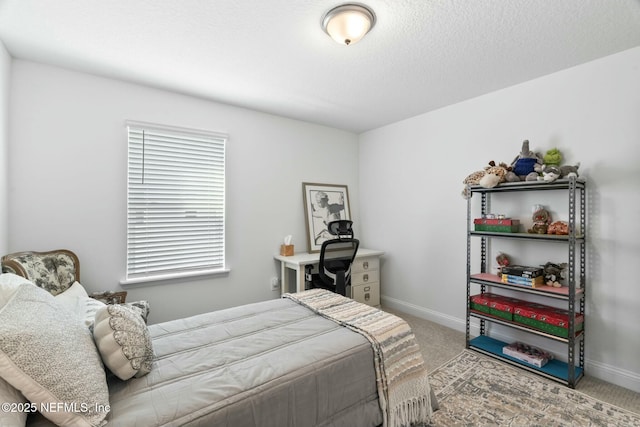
[175, 201]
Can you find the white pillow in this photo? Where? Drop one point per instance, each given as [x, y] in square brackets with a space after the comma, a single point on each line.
[9, 283]
[123, 340]
[51, 358]
[77, 300]
[74, 291]
[12, 416]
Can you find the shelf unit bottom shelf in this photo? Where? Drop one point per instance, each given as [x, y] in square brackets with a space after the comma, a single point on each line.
[555, 369]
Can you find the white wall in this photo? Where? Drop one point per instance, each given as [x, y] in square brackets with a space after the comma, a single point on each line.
[68, 156]
[5, 77]
[411, 176]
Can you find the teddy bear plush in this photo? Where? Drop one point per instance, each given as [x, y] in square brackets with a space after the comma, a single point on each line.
[541, 219]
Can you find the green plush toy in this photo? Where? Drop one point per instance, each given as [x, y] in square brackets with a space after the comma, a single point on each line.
[553, 157]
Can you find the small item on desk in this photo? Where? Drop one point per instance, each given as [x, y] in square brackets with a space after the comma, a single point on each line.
[286, 249]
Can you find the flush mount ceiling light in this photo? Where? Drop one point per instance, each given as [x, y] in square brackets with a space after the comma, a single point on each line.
[348, 23]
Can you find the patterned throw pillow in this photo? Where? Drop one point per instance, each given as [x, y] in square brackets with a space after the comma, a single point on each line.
[141, 307]
[47, 354]
[123, 340]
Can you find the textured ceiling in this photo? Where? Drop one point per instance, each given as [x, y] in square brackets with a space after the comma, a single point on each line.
[272, 55]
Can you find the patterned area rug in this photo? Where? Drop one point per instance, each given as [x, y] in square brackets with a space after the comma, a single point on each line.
[476, 390]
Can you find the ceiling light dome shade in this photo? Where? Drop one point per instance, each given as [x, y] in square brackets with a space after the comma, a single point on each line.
[348, 23]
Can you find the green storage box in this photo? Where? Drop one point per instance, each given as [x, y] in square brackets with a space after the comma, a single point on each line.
[497, 228]
[495, 305]
[547, 319]
[545, 327]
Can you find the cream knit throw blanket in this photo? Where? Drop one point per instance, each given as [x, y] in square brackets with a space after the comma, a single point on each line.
[403, 385]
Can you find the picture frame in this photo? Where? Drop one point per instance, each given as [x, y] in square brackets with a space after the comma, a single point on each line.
[323, 203]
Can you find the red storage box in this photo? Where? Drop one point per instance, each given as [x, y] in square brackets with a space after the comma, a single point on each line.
[496, 305]
[559, 317]
[480, 302]
[496, 221]
[528, 309]
[547, 319]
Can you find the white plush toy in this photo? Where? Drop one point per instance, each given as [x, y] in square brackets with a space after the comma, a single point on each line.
[551, 173]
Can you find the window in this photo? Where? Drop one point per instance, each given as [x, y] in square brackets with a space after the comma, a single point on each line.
[175, 202]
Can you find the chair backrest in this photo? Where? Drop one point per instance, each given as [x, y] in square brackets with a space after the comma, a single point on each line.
[336, 258]
[341, 227]
[54, 271]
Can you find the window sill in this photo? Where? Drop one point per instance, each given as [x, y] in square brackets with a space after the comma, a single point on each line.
[165, 277]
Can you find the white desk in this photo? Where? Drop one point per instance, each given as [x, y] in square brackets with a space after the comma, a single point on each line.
[365, 272]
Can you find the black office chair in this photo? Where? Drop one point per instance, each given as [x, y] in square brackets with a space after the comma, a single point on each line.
[336, 258]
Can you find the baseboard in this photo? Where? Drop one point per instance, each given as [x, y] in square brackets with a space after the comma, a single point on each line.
[594, 368]
[424, 313]
[617, 376]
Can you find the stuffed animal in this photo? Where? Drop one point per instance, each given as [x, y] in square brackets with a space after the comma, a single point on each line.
[567, 170]
[558, 227]
[491, 176]
[503, 261]
[523, 166]
[551, 173]
[554, 273]
[541, 219]
[552, 157]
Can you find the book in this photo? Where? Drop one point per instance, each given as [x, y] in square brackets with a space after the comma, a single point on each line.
[525, 285]
[522, 270]
[506, 278]
[527, 353]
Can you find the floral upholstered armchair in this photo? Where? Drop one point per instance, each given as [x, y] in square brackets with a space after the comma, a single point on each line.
[56, 271]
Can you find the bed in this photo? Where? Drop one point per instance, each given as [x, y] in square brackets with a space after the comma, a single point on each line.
[278, 363]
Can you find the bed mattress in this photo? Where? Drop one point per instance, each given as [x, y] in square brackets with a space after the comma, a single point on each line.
[273, 363]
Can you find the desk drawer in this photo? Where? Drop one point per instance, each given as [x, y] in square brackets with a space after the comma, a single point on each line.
[365, 264]
[366, 294]
[365, 277]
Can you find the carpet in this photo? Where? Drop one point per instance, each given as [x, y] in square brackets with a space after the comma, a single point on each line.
[476, 390]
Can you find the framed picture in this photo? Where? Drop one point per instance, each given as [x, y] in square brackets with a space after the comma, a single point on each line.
[323, 203]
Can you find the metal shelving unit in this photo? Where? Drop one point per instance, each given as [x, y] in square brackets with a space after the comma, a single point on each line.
[571, 371]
